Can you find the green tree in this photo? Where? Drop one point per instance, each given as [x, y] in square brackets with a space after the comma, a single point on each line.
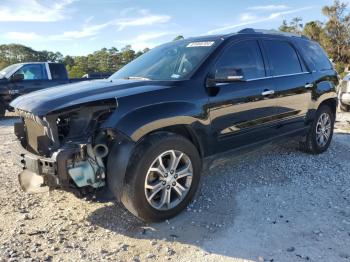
[127, 54]
[295, 26]
[68, 61]
[104, 60]
[333, 35]
[179, 37]
[75, 71]
[337, 29]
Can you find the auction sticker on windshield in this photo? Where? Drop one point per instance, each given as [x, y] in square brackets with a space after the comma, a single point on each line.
[198, 44]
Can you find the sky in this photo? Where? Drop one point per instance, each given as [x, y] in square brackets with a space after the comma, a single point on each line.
[80, 27]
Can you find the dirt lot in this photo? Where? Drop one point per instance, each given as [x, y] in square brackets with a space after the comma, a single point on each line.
[273, 204]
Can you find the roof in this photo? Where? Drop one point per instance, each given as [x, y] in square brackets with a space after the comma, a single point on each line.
[269, 32]
[247, 31]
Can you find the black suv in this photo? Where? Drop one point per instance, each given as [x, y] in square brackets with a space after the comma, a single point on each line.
[144, 133]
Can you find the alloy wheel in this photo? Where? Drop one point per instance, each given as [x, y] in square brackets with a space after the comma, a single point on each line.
[168, 180]
[323, 129]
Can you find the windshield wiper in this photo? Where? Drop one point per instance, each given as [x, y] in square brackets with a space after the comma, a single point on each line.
[137, 78]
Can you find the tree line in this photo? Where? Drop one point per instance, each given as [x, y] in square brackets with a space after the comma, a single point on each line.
[333, 35]
[102, 61]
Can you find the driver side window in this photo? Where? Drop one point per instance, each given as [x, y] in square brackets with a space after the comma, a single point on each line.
[33, 72]
[245, 56]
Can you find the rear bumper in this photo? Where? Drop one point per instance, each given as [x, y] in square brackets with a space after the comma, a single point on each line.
[53, 170]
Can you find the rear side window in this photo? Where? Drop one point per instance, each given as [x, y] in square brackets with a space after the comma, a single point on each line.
[282, 57]
[246, 56]
[58, 71]
[313, 53]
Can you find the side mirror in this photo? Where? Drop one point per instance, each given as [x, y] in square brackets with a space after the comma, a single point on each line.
[226, 75]
[17, 77]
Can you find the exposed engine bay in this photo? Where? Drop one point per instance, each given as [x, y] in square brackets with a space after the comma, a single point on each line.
[64, 149]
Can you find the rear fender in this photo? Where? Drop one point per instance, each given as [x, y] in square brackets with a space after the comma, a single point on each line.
[325, 90]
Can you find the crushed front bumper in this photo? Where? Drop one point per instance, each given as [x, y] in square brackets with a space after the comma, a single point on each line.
[39, 172]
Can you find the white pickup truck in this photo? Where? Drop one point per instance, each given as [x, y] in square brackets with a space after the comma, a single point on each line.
[344, 93]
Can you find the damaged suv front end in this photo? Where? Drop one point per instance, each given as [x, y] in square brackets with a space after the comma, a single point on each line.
[65, 149]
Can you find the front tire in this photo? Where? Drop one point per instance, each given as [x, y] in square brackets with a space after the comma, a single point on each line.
[162, 177]
[320, 133]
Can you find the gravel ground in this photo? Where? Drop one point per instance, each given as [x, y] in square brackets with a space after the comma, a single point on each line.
[272, 204]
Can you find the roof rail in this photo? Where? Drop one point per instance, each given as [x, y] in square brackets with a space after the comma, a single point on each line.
[272, 32]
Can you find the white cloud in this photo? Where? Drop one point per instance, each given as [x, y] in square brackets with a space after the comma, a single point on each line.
[89, 30]
[150, 36]
[247, 17]
[268, 7]
[142, 21]
[23, 36]
[85, 31]
[33, 10]
[144, 40]
[256, 20]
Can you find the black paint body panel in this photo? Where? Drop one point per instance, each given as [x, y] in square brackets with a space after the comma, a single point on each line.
[221, 117]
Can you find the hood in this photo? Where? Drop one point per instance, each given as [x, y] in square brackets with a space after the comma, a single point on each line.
[43, 102]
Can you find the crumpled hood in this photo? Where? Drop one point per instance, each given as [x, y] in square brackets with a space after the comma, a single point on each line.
[42, 102]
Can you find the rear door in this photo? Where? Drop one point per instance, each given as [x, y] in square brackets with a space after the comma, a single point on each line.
[292, 82]
[242, 112]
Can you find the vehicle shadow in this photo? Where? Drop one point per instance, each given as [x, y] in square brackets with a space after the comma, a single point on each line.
[213, 210]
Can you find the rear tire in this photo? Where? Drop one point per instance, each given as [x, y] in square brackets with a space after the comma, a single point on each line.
[320, 133]
[154, 195]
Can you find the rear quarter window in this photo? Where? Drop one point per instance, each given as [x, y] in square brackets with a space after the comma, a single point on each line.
[314, 55]
[58, 71]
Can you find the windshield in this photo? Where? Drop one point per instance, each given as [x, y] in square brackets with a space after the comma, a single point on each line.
[8, 70]
[172, 61]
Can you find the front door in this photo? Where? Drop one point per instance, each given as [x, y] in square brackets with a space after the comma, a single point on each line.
[242, 112]
[35, 78]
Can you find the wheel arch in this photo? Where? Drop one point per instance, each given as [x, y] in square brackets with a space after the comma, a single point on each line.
[182, 118]
[332, 103]
[184, 131]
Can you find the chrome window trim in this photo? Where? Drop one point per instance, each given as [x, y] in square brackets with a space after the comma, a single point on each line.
[265, 77]
[277, 76]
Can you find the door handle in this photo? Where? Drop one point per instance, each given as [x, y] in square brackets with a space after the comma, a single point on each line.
[309, 85]
[268, 92]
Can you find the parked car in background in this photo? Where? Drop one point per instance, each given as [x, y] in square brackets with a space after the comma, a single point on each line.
[23, 78]
[145, 132]
[344, 94]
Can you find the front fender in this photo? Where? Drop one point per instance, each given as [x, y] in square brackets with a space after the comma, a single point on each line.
[117, 163]
[143, 120]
